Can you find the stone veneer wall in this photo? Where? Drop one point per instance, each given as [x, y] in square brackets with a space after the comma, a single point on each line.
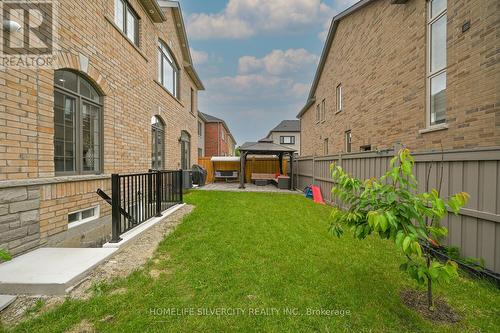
[35, 212]
[19, 215]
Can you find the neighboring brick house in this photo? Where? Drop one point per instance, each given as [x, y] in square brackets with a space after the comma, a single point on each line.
[286, 133]
[201, 134]
[122, 98]
[422, 73]
[218, 138]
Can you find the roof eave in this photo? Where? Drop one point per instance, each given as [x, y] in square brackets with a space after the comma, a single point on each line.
[194, 76]
[309, 103]
[326, 49]
[153, 10]
[181, 29]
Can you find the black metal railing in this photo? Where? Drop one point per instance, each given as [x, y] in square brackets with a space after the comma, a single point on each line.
[138, 197]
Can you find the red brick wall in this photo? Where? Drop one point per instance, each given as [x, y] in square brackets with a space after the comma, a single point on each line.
[212, 139]
[215, 145]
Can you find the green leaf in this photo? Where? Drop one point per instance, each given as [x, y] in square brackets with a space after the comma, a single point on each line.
[382, 221]
[336, 230]
[415, 246]
[406, 243]
[359, 231]
[399, 238]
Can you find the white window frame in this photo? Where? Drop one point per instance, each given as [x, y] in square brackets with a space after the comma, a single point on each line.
[348, 141]
[192, 100]
[325, 146]
[290, 137]
[429, 74]
[82, 221]
[165, 55]
[318, 111]
[338, 98]
[127, 9]
[323, 110]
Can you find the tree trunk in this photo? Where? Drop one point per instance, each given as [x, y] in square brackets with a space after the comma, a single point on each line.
[430, 302]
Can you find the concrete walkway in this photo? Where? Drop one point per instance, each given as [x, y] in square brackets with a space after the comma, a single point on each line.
[234, 187]
[49, 271]
[54, 271]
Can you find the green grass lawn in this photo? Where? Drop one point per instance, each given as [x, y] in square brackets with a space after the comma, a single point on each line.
[260, 254]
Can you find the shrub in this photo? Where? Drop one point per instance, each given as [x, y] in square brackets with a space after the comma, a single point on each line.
[4, 255]
[392, 208]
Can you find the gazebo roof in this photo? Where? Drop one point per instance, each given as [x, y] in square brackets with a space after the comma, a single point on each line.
[265, 147]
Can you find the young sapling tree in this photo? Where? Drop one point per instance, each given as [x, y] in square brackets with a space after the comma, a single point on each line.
[392, 208]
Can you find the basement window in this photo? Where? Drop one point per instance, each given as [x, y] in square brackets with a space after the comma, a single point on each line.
[82, 216]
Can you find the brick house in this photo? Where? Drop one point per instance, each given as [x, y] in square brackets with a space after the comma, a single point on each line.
[201, 134]
[286, 133]
[122, 97]
[422, 73]
[218, 138]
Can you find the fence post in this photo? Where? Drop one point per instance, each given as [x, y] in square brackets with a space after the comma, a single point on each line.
[150, 186]
[181, 186]
[158, 192]
[115, 208]
[313, 170]
[298, 173]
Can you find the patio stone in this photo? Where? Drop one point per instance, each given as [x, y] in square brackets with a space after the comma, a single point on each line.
[234, 187]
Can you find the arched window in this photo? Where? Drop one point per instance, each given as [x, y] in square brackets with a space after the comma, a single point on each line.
[168, 71]
[185, 150]
[77, 124]
[157, 143]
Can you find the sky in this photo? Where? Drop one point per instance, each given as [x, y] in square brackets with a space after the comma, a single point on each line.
[256, 58]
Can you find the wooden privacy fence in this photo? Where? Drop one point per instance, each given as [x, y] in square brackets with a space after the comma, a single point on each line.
[254, 164]
[476, 230]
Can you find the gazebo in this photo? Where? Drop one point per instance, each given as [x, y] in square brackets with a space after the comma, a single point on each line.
[265, 147]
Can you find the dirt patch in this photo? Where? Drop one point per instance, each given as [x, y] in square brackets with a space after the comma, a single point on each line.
[125, 261]
[84, 326]
[442, 312]
[119, 291]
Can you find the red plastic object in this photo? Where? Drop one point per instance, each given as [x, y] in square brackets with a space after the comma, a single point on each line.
[317, 196]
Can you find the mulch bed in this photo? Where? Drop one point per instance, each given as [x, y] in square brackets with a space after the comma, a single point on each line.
[442, 312]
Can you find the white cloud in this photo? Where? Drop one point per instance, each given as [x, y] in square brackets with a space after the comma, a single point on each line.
[199, 57]
[249, 85]
[278, 62]
[324, 33]
[202, 26]
[246, 18]
[300, 88]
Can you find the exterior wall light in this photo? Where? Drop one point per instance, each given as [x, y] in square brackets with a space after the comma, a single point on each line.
[11, 26]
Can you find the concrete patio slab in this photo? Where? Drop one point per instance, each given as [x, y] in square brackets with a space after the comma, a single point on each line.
[49, 271]
[234, 187]
[6, 300]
